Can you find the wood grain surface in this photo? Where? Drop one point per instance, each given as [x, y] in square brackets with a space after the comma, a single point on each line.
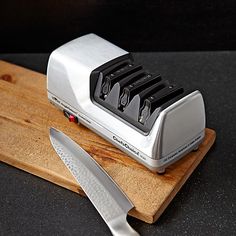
[25, 118]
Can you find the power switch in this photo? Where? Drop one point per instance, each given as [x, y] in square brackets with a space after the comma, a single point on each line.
[70, 117]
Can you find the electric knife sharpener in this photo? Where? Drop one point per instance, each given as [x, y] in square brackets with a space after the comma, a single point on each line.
[100, 86]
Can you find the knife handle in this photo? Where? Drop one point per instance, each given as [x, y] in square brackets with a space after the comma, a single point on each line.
[120, 227]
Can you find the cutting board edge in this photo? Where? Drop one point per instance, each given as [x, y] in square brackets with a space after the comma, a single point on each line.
[43, 173]
[185, 177]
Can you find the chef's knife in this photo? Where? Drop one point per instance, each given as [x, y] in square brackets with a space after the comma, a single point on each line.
[109, 200]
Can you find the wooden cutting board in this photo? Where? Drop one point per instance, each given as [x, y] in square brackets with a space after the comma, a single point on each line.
[25, 118]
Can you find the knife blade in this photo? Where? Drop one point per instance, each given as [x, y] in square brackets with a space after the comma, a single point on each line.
[106, 196]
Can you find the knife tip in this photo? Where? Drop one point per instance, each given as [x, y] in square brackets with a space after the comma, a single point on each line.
[52, 130]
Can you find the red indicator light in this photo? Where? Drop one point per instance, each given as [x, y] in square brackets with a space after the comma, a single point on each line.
[72, 118]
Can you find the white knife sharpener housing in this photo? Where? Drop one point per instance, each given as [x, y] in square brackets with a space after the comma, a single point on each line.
[100, 86]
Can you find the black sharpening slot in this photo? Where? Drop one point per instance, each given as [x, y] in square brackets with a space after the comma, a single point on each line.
[131, 93]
